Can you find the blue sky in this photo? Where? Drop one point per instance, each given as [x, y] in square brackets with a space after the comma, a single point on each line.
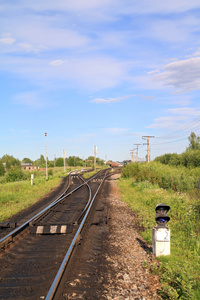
[98, 72]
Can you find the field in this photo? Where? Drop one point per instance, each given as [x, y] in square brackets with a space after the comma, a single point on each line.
[141, 187]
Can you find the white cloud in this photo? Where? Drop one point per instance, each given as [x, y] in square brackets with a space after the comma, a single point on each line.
[148, 97]
[183, 75]
[153, 72]
[185, 111]
[170, 122]
[7, 41]
[126, 6]
[91, 73]
[96, 72]
[26, 47]
[57, 62]
[157, 6]
[111, 100]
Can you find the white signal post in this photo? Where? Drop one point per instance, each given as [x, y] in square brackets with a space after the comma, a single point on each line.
[161, 233]
[95, 154]
[46, 155]
[64, 159]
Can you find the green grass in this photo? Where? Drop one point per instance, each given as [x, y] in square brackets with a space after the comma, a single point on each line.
[180, 271]
[16, 196]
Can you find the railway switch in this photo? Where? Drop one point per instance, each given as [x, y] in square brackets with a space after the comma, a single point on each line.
[161, 233]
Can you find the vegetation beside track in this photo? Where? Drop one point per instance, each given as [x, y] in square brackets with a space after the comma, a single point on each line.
[143, 186]
[16, 196]
[87, 175]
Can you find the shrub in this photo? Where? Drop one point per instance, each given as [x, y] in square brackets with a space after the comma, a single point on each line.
[189, 158]
[168, 177]
[15, 174]
[50, 172]
[2, 169]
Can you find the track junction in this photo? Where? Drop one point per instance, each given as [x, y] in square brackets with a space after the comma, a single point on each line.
[35, 255]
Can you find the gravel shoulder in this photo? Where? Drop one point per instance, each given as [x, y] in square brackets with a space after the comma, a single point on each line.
[127, 254]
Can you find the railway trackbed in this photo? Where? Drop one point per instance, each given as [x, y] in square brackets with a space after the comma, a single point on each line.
[35, 255]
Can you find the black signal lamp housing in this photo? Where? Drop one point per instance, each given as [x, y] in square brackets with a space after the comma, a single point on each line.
[161, 214]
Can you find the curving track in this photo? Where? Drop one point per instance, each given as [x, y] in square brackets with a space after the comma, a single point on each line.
[39, 249]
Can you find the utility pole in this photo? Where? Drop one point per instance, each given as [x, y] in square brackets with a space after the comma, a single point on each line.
[64, 159]
[137, 152]
[147, 139]
[46, 155]
[132, 154]
[95, 154]
[54, 160]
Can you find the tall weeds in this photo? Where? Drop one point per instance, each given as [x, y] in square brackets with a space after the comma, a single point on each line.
[143, 186]
[179, 179]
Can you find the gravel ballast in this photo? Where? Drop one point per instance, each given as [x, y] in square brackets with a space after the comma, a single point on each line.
[113, 259]
[127, 253]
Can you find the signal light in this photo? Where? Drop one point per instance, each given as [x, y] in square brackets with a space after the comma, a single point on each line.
[161, 215]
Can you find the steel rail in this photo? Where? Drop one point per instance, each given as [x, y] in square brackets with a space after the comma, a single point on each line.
[69, 176]
[54, 286]
[9, 237]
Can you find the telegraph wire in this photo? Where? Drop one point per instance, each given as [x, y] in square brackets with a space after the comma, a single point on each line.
[176, 132]
[182, 132]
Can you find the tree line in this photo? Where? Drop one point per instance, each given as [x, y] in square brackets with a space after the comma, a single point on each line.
[8, 162]
[189, 158]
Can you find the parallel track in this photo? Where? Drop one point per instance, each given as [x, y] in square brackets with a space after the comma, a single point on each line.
[33, 267]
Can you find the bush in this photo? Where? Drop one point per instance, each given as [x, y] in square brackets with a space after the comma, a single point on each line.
[179, 272]
[168, 177]
[2, 169]
[189, 158]
[50, 172]
[15, 174]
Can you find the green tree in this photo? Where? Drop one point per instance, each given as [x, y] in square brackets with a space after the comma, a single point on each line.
[27, 160]
[16, 174]
[41, 162]
[10, 161]
[194, 142]
[59, 162]
[2, 169]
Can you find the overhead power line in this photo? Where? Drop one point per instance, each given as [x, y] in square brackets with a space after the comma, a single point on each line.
[181, 133]
[183, 128]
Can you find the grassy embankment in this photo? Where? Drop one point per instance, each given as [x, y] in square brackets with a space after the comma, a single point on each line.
[15, 196]
[143, 186]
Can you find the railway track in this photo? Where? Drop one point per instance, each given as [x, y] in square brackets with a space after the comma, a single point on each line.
[35, 255]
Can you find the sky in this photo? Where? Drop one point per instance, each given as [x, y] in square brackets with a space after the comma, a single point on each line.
[99, 73]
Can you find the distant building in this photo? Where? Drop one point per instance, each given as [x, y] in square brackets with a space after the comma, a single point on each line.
[28, 167]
